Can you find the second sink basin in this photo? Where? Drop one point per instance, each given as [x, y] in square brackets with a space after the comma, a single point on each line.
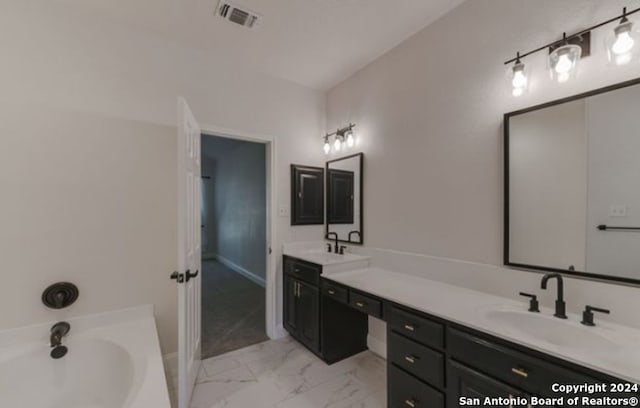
[549, 329]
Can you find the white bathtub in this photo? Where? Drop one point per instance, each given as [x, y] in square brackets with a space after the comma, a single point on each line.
[114, 361]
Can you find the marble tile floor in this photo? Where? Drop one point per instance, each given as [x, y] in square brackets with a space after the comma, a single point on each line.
[283, 374]
[233, 310]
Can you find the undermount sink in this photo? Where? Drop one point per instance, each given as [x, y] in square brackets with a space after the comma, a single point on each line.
[326, 258]
[549, 329]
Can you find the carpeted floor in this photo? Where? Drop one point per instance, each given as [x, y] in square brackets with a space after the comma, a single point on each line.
[233, 310]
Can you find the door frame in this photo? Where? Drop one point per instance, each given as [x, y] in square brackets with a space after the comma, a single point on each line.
[274, 331]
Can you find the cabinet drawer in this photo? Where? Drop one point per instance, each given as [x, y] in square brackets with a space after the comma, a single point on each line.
[417, 327]
[302, 270]
[407, 392]
[421, 361]
[526, 372]
[366, 304]
[335, 291]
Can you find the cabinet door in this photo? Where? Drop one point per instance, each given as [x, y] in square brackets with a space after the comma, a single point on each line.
[469, 384]
[307, 195]
[289, 304]
[308, 310]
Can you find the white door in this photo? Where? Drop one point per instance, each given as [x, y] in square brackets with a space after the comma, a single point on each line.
[189, 257]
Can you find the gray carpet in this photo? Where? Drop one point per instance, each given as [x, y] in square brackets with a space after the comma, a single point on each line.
[233, 310]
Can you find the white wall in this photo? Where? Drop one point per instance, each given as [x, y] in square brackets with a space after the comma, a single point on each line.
[429, 115]
[614, 170]
[87, 155]
[235, 214]
[548, 187]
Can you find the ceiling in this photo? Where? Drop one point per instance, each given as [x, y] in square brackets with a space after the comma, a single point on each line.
[316, 43]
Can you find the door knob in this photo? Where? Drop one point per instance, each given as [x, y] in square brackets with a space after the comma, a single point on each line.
[178, 277]
[190, 275]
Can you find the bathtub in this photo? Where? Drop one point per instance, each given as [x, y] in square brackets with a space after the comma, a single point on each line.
[114, 361]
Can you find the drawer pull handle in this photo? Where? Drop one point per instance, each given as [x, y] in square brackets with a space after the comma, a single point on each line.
[360, 304]
[297, 270]
[520, 371]
[331, 292]
[409, 327]
[411, 359]
[410, 402]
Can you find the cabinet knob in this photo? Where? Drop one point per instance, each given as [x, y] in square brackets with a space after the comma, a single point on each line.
[331, 292]
[411, 402]
[409, 327]
[520, 371]
[360, 304]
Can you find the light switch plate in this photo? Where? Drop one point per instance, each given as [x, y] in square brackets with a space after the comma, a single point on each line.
[618, 211]
[283, 211]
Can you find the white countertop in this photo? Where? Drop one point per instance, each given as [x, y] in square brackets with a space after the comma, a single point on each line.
[620, 358]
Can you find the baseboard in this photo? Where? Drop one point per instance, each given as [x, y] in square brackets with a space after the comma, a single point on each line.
[377, 346]
[208, 256]
[242, 271]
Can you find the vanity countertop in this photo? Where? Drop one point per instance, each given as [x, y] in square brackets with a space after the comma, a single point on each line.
[616, 353]
[324, 258]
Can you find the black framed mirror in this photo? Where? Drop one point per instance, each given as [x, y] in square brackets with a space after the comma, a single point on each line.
[572, 198]
[307, 195]
[344, 181]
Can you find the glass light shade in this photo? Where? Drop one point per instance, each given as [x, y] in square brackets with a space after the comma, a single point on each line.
[327, 146]
[350, 138]
[519, 79]
[337, 144]
[563, 62]
[622, 43]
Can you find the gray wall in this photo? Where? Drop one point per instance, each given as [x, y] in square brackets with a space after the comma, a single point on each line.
[234, 207]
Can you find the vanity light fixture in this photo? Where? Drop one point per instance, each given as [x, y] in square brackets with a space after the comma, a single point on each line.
[341, 138]
[519, 79]
[565, 54]
[620, 43]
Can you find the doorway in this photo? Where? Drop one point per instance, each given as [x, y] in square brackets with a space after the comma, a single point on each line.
[234, 243]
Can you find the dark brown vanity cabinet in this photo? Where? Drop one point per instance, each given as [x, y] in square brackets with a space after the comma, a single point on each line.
[431, 362]
[318, 315]
[307, 195]
[302, 302]
[467, 383]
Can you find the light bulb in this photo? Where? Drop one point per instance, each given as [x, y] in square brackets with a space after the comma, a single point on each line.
[624, 42]
[350, 139]
[563, 65]
[327, 146]
[337, 144]
[517, 91]
[519, 79]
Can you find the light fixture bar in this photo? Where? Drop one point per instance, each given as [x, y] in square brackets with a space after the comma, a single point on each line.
[625, 13]
[340, 131]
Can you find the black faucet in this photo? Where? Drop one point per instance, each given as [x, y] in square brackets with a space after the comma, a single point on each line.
[560, 305]
[336, 247]
[58, 331]
[356, 233]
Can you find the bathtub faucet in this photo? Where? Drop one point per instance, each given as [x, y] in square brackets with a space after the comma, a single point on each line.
[58, 331]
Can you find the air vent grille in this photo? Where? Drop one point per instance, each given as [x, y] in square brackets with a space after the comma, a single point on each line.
[238, 14]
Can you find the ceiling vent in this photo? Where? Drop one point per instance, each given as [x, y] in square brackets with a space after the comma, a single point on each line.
[238, 14]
